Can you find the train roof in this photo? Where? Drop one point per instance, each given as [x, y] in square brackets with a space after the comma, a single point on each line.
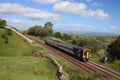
[71, 45]
[67, 44]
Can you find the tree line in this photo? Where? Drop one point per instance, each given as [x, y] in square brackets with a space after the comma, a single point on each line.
[46, 30]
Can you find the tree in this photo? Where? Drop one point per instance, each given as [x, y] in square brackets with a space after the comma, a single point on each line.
[32, 30]
[88, 42]
[3, 23]
[48, 25]
[66, 37]
[40, 31]
[57, 34]
[114, 49]
[74, 41]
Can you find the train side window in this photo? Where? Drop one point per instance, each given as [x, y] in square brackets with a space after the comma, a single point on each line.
[75, 50]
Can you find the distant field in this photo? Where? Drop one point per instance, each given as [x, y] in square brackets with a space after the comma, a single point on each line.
[16, 46]
[26, 68]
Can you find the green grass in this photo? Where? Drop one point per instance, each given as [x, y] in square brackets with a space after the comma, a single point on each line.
[115, 65]
[15, 47]
[26, 68]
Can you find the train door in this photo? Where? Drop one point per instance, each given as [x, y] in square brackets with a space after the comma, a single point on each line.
[75, 51]
[87, 55]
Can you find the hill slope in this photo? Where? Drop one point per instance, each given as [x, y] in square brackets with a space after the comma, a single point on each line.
[15, 47]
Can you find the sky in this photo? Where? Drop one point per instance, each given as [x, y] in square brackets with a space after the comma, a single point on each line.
[66, 15]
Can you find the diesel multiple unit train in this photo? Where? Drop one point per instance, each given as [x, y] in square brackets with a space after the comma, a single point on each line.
[80, 52]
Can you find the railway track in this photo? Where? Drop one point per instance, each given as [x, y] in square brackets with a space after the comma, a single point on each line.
[89, 67]
[110, 71]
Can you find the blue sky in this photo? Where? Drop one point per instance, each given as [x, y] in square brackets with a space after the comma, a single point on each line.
[66, 15]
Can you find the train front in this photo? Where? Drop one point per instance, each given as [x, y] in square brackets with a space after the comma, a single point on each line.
[86, 55]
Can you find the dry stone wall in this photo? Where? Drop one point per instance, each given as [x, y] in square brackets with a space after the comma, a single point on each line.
[60, 72]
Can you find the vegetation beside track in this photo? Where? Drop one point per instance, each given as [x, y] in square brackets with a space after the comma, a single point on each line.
[115, 65]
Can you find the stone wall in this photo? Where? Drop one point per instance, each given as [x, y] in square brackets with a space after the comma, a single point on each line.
[60, 72]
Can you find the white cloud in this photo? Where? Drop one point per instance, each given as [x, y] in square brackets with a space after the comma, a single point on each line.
[81, 27]
[69, 7]
[99, 14]
[46, 1]
[31, 13]
[113, 29]
[15, 21]
[80, 9]
[17, 24]
[96, 4]
[75, 27]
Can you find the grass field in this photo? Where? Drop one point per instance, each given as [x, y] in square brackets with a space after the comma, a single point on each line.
[26, 68]
[15, 47]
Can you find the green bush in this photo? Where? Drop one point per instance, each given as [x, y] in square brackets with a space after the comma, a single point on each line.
[9, 31]
[3, 23]
[6, 40]
[3, 35]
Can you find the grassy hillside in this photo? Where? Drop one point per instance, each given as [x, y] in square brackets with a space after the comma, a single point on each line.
[14, 65]
[15, 47]
[26, 68]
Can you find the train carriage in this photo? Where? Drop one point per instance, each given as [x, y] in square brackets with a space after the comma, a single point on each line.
[75, 50]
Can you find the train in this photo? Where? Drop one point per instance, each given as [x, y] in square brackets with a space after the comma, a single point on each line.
[81, 53]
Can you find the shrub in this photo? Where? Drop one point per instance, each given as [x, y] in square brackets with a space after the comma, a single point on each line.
[3, 35]
[9, 31]
[3, 23]
[114, 49]
[6, 40]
